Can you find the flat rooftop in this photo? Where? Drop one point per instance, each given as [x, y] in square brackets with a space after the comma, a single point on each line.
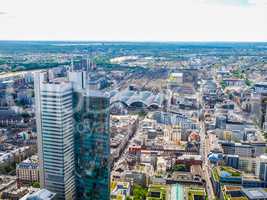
[255, 193]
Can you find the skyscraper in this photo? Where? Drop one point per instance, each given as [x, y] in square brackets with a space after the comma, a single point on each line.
[92, 145]
[73, 137]
[54, 119]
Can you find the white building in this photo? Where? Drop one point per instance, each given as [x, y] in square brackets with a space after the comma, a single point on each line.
[55, 135]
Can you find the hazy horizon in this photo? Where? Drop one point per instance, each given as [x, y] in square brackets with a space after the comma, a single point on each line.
[129, 41]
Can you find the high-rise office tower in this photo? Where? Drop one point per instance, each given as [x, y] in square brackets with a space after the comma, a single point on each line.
[78, 79]
[54, 119]
[92, 145]
[73, 137]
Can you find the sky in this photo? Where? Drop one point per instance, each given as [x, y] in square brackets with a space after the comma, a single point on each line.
[134, 20]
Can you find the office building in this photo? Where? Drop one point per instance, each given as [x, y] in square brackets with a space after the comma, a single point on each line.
[92, 145]
[221, 121]
[248, 164]
[73, 137]
[54, 119]
[245, 149]
[259, 104]
[27, 173]
[78, 79]
[232, 161]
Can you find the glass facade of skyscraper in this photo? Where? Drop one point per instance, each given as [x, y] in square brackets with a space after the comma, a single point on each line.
[91, 116]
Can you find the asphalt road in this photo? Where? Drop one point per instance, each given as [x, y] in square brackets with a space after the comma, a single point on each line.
[204, 151]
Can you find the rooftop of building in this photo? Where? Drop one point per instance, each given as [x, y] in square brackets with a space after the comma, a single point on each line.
[230, 192]
[96, 93]
[27, 165]
[263, 157]
[8, 114]
[157, 192]
[6, 181]
[189, 157]
[195, 191]
[220, 172]
[255, 193]
[171, 118]
[131, 98]
[42, 194]
[122, 121]
[233, 79]
[250, 177]
[176, 74]
[264, 84]
[119, 189]
[231, 188]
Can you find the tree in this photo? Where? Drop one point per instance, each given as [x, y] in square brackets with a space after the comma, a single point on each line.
[25, 115]
[139, 192]
[223, 85]
[248, 82]
[180, 167]
[142, 113]
[36, 184]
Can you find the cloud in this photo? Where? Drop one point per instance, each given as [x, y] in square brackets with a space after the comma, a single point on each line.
[3, 13]
[258, 2]
[235, 2]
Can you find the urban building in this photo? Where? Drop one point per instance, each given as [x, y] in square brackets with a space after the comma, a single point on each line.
[120, 190]
[245, 149]
[261, 170]
[232, 161]
[40, 194]
[73, 137]
[92, 146]
[27, 173]
[54, 118]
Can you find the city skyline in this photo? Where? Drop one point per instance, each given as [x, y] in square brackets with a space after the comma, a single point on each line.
[110, 120]
[193, 20]
[133, 99]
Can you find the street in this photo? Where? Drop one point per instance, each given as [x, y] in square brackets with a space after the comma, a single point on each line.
[204, 151]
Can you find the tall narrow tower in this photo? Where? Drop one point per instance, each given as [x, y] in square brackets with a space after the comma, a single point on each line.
[92, 145]
[54, 118]
[73, 137]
